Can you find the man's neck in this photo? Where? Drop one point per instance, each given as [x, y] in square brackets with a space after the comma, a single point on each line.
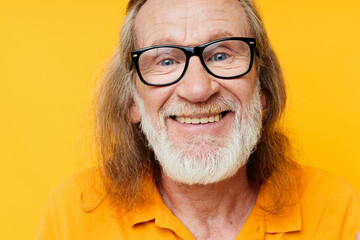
[214, 211]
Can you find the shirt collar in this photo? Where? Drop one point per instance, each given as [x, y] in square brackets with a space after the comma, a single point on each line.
[158, 212]
[147, 212]
[287, 219]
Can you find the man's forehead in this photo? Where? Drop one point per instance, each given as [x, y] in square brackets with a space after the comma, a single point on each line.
[189, 22]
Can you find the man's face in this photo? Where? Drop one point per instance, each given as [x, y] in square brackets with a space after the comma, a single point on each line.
[192, 23]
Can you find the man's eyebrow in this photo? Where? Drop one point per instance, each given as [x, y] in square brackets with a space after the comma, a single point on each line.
[220, 34]
[171, 41]
[164, 41]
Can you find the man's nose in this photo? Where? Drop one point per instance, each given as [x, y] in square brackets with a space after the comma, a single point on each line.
[197, 84]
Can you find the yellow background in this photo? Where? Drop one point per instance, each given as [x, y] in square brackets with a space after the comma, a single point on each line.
[51, 52]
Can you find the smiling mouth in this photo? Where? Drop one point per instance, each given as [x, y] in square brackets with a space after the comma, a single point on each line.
[199, 120]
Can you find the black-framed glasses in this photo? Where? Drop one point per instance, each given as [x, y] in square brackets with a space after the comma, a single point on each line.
[225, 58]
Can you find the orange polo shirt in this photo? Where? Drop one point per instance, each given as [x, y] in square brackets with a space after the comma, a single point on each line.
[322, 207]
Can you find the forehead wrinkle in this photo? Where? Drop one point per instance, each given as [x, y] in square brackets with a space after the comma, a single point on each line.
[158, 24]
[220, 17]
[187, 33]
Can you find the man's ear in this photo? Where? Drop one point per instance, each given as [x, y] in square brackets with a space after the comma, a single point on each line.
[135, 115]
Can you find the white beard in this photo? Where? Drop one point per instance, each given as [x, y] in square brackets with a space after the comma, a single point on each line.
[205, 159]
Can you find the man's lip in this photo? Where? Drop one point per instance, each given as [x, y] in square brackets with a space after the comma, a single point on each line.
[219, 129]
[199, 119]
[199, 115]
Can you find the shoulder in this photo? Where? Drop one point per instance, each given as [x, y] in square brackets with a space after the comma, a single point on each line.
[76, 208]
[320, 185]
[329, 205]
[73, 191]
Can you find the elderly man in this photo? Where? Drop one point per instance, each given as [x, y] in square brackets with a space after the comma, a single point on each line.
[189, 141]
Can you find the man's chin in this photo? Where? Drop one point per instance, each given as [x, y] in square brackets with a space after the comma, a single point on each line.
[206, 164]
[199, 146]
[200, 176]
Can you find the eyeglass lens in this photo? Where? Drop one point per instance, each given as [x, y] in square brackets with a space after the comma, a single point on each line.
[166, 64]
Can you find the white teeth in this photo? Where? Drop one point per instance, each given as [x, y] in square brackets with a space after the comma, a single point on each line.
[204, 120]
[213, 118]
[195, 120]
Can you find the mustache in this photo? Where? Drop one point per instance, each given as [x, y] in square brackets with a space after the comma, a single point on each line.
[213, 105]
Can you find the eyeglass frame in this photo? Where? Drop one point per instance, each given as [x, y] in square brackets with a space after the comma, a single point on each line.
[189, 52]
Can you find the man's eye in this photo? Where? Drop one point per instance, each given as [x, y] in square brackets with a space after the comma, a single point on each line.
[167, 62]
[219, 57]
